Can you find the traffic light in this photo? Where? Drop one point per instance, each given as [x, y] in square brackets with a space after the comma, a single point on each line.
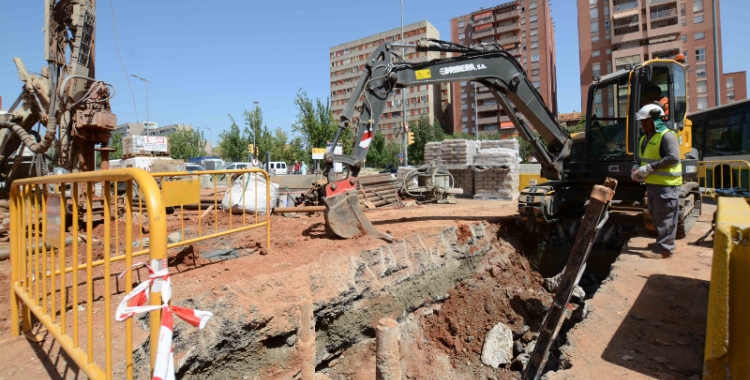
[251, 148]
[410, 138]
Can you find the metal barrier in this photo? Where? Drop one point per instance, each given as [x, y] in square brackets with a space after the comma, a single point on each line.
[723, 174]
[53, 276]
[55, 270]
[184, 192]
[728, 321]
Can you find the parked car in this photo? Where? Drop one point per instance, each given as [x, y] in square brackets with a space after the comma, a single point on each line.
[194, 168]
[277, 168]
[238, 165]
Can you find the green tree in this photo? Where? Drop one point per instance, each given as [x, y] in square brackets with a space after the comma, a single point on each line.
[232, 145]
[315, 122]
[424, 132]
[187, 143]
[115, 142]
[375, 156]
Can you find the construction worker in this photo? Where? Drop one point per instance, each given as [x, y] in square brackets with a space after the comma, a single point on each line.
[653, 95]
[661, 170]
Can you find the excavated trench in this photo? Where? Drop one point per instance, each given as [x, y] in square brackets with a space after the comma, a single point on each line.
[446, 291]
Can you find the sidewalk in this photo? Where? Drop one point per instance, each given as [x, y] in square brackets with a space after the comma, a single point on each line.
[648, 319]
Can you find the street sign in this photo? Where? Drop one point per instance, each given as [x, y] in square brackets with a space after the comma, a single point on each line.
[400, 155]
[318, 153]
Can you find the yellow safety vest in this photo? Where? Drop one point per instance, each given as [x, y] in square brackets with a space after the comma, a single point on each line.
[671, 176]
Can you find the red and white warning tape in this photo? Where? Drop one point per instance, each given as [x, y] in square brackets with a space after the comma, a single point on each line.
[137, 301]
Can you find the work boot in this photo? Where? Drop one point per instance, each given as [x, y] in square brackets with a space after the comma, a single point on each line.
[651, 255]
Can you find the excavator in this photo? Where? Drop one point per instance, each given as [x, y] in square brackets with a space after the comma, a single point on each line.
[572, 165]
[64, 98]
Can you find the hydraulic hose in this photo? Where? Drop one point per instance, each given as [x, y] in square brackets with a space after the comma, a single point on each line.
[28, 140]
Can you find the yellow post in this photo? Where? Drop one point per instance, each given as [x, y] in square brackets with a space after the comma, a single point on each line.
[728, 322]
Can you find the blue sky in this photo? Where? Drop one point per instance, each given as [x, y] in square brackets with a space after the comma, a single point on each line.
[207, 60]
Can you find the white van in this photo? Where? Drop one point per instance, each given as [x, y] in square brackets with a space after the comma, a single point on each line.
[277, 168]
[238, 165]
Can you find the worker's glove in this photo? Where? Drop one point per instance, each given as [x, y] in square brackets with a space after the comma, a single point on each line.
[640, 174]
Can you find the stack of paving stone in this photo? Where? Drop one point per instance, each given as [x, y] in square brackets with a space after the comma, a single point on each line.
[458, 152]
[497, 170]
[432, 151]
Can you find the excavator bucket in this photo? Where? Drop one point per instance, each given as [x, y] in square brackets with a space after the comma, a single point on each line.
[346, 219]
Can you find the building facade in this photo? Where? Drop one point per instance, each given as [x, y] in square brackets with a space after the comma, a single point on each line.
[614, 34]
[347, 61]
[524, 28]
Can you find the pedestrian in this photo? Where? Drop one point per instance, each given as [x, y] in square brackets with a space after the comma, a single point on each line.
[661, 170]
[303, 168]
[296, 167]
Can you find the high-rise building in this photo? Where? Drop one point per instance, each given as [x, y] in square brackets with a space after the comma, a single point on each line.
[524, 28]
[347, 61]
[614, 34]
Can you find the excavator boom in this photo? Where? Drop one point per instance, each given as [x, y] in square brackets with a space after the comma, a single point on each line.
[385, 72]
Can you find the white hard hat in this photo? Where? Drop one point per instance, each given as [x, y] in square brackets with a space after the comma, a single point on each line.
[649, 111]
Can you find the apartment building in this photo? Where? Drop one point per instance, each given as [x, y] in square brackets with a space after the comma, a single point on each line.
[524, 28]
[347, 61]
[614, 34]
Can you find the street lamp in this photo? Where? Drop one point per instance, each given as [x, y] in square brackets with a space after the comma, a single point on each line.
[257, 105]
[210, 144]
[403, 94]
[146, 81]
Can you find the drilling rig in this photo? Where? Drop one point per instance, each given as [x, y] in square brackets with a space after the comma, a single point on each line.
[63, 113]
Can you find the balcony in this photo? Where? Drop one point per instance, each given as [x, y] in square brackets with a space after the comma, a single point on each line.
[488, 120]
[485, 95]
[489, 107]
[509, 41]
[659, 2]
[625, 6]
[508, 15]
[483, 33]
[674, 28]
[663, 14]
[627, 37]
[507, 28]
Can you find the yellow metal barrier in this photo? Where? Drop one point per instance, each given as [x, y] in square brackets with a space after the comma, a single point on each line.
[723, 174]
[56, 269]
[200, 192]
[728, 323]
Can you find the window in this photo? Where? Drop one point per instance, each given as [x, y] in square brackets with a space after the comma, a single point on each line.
[702, 87]
[462, 36]
[535, 58]
[532, 18]
[594, 13]
[534, 31]
[702, 103]
[534, 72]
[730, 94]
[684, 38]
[606, 24]
[606, 9]
[598, 98]
[700, 54]
[608, 68]
[595, 38]
[700, 36]
[592, 2]
[700, 71]
[535, 45]
[595, 27]
[730, 82]
[697, 6]
[608, 51]
[596, 69]
[461, 24]
[698, 19]
[536, 84]
[595, 53]
[532, 5]
[684, 52]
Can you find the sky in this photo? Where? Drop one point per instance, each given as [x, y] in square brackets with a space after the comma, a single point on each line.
[207, 60]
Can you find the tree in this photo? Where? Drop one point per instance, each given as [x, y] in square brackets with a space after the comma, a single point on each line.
[187, 143]
[424, 132]
[231, 143]
[376, 154]
[315, 122]
[115, 142]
